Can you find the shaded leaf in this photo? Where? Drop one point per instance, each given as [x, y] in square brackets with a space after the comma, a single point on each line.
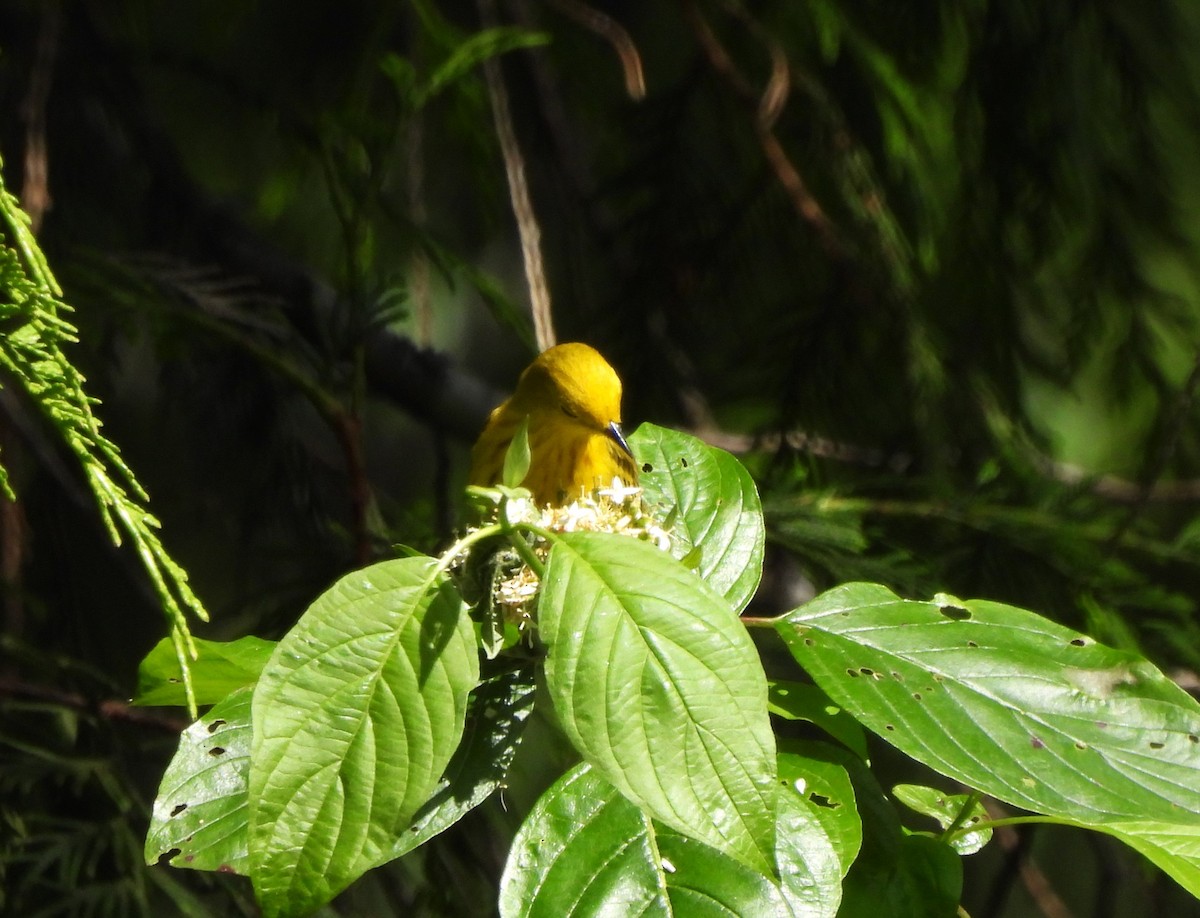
[801, 701]
[496, 715]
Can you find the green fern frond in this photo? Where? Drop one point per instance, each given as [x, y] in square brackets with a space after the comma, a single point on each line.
[32, 334]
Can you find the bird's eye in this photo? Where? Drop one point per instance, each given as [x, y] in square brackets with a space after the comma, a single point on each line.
[569, 411]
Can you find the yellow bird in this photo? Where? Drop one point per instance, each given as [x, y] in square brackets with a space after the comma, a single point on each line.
[572, 400]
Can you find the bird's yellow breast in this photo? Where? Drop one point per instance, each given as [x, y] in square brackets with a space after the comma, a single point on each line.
[571, 399]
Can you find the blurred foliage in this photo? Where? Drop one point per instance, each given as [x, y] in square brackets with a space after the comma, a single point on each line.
[931, 267]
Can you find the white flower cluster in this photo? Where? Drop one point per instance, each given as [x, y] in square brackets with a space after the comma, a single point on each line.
[618, 509]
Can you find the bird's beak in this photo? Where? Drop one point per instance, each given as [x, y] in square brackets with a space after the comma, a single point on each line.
[614, 431]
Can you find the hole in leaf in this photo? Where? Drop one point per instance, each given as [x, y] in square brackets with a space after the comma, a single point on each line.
[822, 800]
[954, 613]
[917, 696]
[809, 642]
[1079, 642]
[899, 677]
[938, 677]
[867, 671]
[889, 727]
[217, 750]
[647, 468]
[179, 809]
[174, 681]
[972, 644]
[1193, 738]
[683, 462]
[216, 725]
[167, 856]
[1036, 743]
[1156, 745]
[852, 673]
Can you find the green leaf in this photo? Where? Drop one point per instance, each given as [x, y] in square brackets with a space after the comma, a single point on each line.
[948, 810]
[496, 716]
[659, 686]
[586, 850]
[810, 867]
[801, 701]
[828, 794]
[517, 457]
[583, 850]
[1173, 847]
[220, 668]
[473, 51]
[1007, 702]
[704, 883]
[200, 818]
[355, 719]
[716, 507]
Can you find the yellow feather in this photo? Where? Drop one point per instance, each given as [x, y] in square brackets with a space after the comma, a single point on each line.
[572, 398]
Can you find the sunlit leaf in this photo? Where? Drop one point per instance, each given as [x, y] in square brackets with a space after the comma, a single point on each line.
[355, 719]
[659, 686]
[948, 810]
[715, 508]
[583, 850]
[1007, 702]
[220, 668]
[200, 816]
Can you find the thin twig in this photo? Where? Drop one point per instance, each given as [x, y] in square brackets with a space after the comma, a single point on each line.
[766, 107]
[514, 167]
[615, 34]
[108, 709]
[35, 188]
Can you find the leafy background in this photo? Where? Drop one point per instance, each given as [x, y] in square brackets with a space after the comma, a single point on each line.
[930, 271]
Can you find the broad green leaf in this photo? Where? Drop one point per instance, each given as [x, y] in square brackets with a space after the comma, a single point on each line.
[586, 850]
[659, 686]
[948, 810]
[199, 818]
[801, 701]
[715, 505]
[583, 850]
[704, 883]
[922, 879]
[496, 716]
[355, 719]
[810, 868]
[824, 786]
[1007, 702]
[1173, 847]
[220, 668]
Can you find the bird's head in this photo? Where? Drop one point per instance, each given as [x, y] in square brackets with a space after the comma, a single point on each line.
[573, 382]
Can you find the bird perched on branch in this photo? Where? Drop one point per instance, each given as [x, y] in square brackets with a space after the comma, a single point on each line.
[570, 399]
